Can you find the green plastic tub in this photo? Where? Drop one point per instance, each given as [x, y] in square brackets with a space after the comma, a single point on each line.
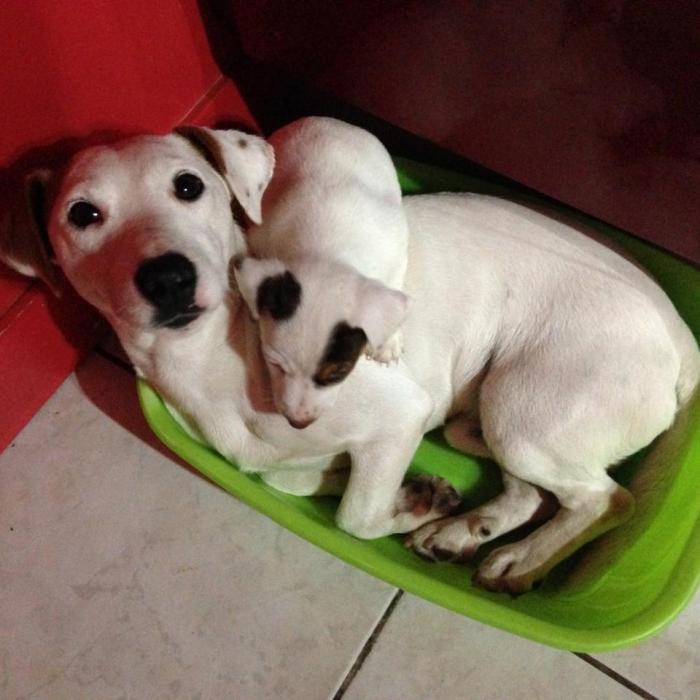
[621, 588]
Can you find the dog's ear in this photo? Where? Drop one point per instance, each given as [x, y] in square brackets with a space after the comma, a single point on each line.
[244, 161]
[267, 286]
[24, 240]
[379, 311]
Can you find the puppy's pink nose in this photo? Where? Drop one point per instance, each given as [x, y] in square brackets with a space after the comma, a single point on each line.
[300, 424]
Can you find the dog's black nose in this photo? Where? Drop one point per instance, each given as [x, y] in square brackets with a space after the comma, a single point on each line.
[169, 282]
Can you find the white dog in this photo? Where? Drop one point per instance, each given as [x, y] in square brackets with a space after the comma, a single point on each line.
[566, 356]
[334, 205]
[143, 230]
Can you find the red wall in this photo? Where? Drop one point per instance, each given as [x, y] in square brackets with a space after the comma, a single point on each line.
[75, 73]
[596, 104]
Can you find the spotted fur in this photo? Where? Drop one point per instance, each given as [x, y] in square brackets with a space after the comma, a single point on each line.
[279, 296]
[341, 353]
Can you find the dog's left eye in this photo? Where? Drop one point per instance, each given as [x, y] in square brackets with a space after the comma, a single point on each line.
[81, 214]
[188, 187]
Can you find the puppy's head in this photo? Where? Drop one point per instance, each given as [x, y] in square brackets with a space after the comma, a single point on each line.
[315, 318]
[143, 229]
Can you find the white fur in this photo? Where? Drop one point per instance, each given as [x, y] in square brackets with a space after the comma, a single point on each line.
[567, 356]
[335, 195]
[585, 361]
[333, 215]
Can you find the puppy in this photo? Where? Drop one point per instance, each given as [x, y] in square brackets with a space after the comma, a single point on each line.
[569, 355]
[333, 214]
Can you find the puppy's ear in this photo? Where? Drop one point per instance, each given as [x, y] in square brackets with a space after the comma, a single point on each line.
[244, 161]
[24, 240]
[379, 311]
[267, 287]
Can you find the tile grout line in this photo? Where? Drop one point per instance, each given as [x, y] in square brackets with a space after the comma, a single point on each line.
[368, 645]
[614, 675]
[114, 359]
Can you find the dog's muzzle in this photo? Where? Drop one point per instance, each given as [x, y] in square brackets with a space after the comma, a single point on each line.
[168, 282]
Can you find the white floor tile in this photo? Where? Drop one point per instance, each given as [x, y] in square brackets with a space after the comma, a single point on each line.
[124, 574]
[427, 652]
[667, 665]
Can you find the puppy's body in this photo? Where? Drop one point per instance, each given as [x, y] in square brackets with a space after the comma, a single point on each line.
[495, 281]
[572, 358]
[333, 213]
[334, 195]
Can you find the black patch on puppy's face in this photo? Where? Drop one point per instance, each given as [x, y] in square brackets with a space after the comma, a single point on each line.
[343, 349]
[279, 296]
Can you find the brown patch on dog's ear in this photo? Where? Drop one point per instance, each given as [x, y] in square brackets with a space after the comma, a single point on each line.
[207, 146]
[245, 162]
[24, 239]
[210, 149]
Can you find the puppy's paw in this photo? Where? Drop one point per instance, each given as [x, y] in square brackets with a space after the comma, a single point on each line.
[450, 539]
[507, 570]
[424, 494]
[388, 352]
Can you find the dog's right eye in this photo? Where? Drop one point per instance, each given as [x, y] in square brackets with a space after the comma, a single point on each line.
[188, 187]
[83, 214]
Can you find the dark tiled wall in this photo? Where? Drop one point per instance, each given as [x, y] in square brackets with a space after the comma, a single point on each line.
[593, 102]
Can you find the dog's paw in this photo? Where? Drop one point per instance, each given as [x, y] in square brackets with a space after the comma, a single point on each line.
[450, 539]
[507, 570]
[388, 352]
[425, 494]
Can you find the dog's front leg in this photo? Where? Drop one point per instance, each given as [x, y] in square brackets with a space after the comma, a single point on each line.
[308, 482]
[374, 503]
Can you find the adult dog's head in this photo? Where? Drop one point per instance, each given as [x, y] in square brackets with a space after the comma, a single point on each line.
[143, 229]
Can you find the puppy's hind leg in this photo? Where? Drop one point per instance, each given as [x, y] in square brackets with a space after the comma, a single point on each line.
[464, 434]
[588, 509]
